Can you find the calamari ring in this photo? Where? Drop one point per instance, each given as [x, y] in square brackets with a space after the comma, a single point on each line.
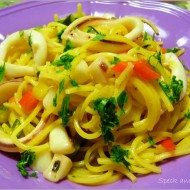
[39, 49]
[134, 26]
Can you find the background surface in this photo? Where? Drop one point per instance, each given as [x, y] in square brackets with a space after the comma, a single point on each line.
[183, 4]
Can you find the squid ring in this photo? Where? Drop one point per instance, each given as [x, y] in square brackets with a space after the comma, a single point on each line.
[39, 49]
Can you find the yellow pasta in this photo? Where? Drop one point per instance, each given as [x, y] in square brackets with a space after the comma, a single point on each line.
[122, 100]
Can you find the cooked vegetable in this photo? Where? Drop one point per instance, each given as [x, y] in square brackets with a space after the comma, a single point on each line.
[115, 61]
[28, 101]
[187, 114]
[172, 90]
[65, 60]
[106, 107]
[145, 71]
[99, 37]
[120, 67]
[120, 155]
[168, 144]
[68, 45]
[59, 35]
[122, 99]
[61, 86]
[65, 113]
[141, 68]
[151, 140]
[2, 71]
[26, 160]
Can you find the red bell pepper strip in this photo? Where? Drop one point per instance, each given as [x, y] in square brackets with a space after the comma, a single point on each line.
[164, 50]
[145, 71]
[168, 144]
[28, 101]
[120, 66]
[141, 68]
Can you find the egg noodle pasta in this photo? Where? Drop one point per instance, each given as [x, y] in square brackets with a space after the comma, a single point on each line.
[93, 99]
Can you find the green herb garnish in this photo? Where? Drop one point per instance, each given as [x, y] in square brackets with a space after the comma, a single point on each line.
[99, 37]
[151, 141]
[61, 86]
[65, 113]
[74, 83]
[174, 50]
[68, 20]
[65, 60]
[55, 100]
[2, 71]
[21, 33]
[30, 40]
[187, 113]
[106, 108]
[59, 35]
[68, 45]
[115, 61]
[145, 36]
[37, 28]
[120, 155]
[121, 100]
[26, 160]
[172, 90]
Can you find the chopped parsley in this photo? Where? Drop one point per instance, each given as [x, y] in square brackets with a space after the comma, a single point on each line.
[28, 51]
[106, 108]
[61, 86]
[145, 36]
[55, 100]
[30, 40]
[158, 57]
[119, 155]
[37, 28]
[172, 90]
[74, 83]
[151, 141]
[187, 114]
[59, 35]
[21, 33]
[68, 20]
[121, 100]
[26, 160]
[115, 61]
[65, 113]
[99, 37]
[68, 45]
[2, 71]
[174, 50]
[65, 60]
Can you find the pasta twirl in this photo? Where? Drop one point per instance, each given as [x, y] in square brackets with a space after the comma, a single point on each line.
[95, 99]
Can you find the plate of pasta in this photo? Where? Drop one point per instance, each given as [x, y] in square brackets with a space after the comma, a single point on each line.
[94, 94]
